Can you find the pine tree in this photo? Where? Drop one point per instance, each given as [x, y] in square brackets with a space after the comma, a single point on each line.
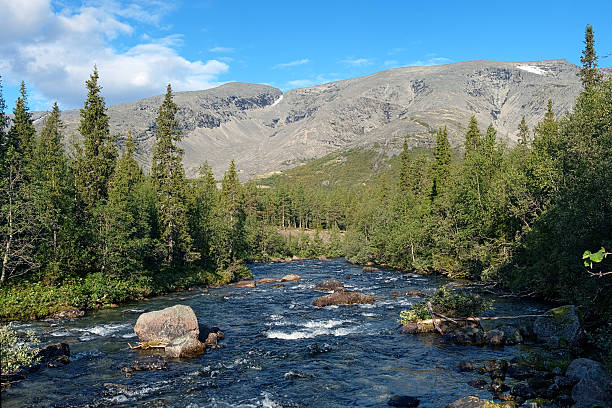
[96, 159]
[589, 74]
[472, 137]
[523, 133]
[51, 181]
[169, 178]
[442, 163]
[3, 125]
[21, 135]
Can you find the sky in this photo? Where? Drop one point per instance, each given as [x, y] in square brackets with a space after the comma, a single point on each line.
[140, 46]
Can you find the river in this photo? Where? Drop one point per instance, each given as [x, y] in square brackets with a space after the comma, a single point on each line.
[280, 350]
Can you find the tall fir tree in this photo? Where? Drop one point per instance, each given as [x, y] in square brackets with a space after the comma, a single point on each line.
[589, 74]
[96, 159]
[472, 137]
[18, 230]
[442, 163]
[169, 178]
[3, 125]
[52, 184]
[523, 133]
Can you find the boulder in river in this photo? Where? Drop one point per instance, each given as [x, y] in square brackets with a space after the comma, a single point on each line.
[495, 337]
[70, 313]
[328, 285]
[245, 284]
[167, 324]
[470, 402]
[185, 346]
[291, 278]
[369, 269]
[560, 327]
[267, 280]
[343, 298]
[403, 401]
[593, 383]
[54, 355]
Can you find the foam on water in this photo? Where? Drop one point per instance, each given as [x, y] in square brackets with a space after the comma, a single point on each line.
[310, 334]
[104, 329]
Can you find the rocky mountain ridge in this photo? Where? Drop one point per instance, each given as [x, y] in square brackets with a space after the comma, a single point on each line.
[266, 130]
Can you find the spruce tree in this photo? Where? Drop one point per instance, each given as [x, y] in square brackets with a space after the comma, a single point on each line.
[3, 124]
[169, 178]
[404, 176]
[95, 160]
[51, 182]
[589, 74]
[472, 137]
[19, 231]
[523, 133]
[442, 163]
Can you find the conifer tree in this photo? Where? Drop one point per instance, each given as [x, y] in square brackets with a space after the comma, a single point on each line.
[404, 181]
[589, 74]
[442, 163]
[18, 229]
[51, 182]
[523, 132]
[169, 179]
[472, 137]
[95, 160]
[3, 124]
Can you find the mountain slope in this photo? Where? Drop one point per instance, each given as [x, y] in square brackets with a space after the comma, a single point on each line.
[266, 130]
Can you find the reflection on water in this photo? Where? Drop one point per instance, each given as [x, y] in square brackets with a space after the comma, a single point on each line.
[280, 350]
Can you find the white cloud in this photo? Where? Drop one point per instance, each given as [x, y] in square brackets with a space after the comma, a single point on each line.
[357, 62]
[431, 61]
[55, 52]
[292, 63]
[222, 49]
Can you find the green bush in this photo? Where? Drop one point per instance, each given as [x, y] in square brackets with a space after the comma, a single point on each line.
[448, 302]
[15, 352]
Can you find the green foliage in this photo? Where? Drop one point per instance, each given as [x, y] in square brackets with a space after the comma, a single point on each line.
[17, 353]
[589, 74]
[596, 257]
[448, 302]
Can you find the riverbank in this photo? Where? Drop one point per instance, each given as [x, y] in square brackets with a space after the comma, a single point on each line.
[72, 297]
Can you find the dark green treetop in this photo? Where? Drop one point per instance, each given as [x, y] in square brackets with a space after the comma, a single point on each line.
[589, 74]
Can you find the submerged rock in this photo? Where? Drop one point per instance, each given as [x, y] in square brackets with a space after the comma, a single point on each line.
[54, 355]
[403, 401]
[343, 298]
[292, 375]
[464, 366]
[291, 278]
[495, 338]
[560, 327]
[167, 324]
[478, 383]
[328, 285]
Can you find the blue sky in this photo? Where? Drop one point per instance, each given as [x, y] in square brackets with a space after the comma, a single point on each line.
[140, 46]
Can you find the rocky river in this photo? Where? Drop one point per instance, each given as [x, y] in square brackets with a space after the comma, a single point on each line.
[279, 350]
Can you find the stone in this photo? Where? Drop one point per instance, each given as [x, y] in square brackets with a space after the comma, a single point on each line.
[291, 278]
[470, 335]
[464, 366]
[496, 365]
[267, 280]
[512, 335]
[369, 269]
[70, 313]
[497, 386]
[292, 375]
[520, 372]
[563, 383]
[469, 402]
[403, 401]
[560, 327]
[167, 324]
[495, 338]
[245, 284]
[54, 352]
[523, 390]
[323, 258]
[343, 298]
[186, 346]
[328, 285]
[478, 383]
[594, 383]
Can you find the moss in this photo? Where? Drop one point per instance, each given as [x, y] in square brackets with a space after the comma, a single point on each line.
[562, 314]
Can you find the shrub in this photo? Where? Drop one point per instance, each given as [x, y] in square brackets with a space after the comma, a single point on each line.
[449, 303]
[17, 353]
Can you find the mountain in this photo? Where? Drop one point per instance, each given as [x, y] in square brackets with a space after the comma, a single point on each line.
[267, 131]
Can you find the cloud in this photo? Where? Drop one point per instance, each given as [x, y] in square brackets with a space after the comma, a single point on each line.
[316, 80]
[357, 62]
[55, 51]
[222, 49]
[431, 61]
[292, 63]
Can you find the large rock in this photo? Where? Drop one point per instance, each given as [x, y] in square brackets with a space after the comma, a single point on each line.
[291, 278]
[167, 324]
[185, 346]
[560, 327]
[495, 337]
[343, 298]
[469, 402]
[245, 284]
[267, 280]
[594, 383]
[328, 285]
[403, 401]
